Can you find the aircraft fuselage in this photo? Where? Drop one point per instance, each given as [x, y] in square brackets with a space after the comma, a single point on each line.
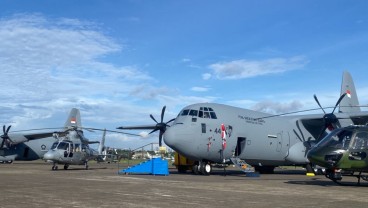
[196, 134]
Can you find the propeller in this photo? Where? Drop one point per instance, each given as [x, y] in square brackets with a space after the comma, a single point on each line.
[5, 136]
[330, 120]
[160, 126]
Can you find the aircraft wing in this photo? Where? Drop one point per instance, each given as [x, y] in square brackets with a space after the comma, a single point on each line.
[314, 123]
[16, 138]
[359, 118]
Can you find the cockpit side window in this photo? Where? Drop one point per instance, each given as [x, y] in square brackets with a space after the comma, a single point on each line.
[213, 115]
[200, 114]
[54, 145]
[360, 141]
[63, 146]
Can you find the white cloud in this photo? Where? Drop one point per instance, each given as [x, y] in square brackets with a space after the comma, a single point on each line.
[206, 76]
[240, 69]
[200, 89]
[277, 107]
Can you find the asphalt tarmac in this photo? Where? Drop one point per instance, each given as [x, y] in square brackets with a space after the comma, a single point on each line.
[33, 184]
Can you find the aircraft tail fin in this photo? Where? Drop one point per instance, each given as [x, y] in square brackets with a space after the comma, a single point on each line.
[102, 143]
[74, 119]
[350, 102]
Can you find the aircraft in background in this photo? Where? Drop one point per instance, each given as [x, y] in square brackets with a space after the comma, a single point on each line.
[344, 149]
[211, 133]
[72, 147]
[24, 146]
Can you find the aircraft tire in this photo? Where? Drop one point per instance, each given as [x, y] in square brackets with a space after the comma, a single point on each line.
[265, 169]
[182, 169]
[207, 168]
[195, 169]
[66, 167]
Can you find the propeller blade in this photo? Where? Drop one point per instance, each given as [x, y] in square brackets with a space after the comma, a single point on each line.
[338, 102]
[297, 135]
[170, 121]
[316, 99]
[153, 118]
[163, 113]
[7, 130]
[154, 130]
[322, 132]
[4, 129]
[300, 130]
[160, 139]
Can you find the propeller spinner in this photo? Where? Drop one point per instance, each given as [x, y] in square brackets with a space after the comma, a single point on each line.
[330, 120]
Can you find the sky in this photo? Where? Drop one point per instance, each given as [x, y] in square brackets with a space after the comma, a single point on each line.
[120, 61]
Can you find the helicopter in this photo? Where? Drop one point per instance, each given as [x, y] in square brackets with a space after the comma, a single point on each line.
[344, 150]
[72, 147]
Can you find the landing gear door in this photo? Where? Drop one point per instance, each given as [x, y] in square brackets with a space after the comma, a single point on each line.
[240, 146]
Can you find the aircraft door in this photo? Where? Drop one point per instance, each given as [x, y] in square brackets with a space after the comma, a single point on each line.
[279, 142]
[283, 140]
[71, 149]
[240, 145]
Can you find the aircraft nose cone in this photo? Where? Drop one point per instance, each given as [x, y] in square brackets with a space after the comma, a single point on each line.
[316, 157]
[169, 137]
[48, 155]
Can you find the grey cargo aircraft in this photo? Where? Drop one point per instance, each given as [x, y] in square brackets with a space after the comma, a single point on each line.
[212, 133]
[24, 146]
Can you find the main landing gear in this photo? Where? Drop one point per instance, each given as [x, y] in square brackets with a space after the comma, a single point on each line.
[54, 167]
[202, 168]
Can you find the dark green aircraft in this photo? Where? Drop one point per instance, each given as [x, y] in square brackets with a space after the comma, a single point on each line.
[344, 150]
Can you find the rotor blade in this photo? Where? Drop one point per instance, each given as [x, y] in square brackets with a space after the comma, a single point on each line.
[107, 130]
[163, 113]
[137, 127]
[316, 99]
[338, 102]
[153, 118]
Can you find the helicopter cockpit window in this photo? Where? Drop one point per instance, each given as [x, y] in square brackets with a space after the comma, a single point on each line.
[360, 141]
[63, 146]
[339, 140]
[54, 145]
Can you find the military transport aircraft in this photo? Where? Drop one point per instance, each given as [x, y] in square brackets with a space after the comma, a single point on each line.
[72, 147]
[212, 133]
[344, 149]
[18, 145]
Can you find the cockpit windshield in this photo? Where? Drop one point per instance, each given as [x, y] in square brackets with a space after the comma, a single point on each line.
[203, 112]
[60, 145]
[338, 139]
